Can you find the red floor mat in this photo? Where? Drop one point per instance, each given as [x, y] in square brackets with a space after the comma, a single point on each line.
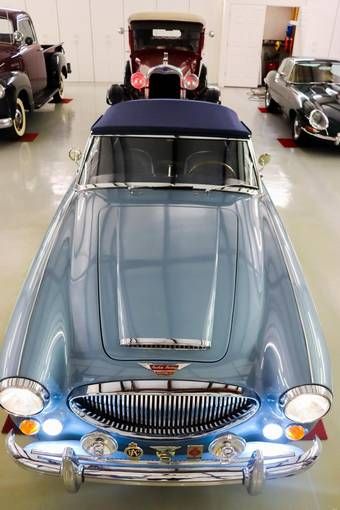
[263, 109]
[28, 137]
[319, 430]
[288, 143]
[66, 100]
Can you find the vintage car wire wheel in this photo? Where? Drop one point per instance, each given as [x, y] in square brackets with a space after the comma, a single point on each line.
[59, 95]
[299, 136]
[19, 120]
[269, 102]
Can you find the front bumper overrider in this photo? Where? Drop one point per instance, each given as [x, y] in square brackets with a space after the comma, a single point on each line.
[255, 465]
[327, 138]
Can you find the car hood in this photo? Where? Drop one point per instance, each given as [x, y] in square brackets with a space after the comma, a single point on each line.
[158, 263]
[166, 271]
[324, 96]
[6, 51]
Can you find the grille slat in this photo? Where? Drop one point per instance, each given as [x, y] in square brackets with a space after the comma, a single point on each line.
[164, 414]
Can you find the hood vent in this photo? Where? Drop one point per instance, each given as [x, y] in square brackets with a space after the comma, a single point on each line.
[166, 343]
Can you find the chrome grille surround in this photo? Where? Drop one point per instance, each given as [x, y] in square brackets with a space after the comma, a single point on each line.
[163, 408]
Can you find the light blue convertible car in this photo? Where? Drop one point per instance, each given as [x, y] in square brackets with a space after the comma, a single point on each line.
[165, 334]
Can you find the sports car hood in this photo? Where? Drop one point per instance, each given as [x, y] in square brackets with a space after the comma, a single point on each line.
[166, 271]
[325, 96]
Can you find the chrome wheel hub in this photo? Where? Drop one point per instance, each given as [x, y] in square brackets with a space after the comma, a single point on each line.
[18, 119]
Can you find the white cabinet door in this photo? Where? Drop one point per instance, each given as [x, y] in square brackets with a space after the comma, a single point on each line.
[173, 5]
[108, 44]
[45, 19]
[213, 19]
[244, 43]
[75, 32]
[14, 4]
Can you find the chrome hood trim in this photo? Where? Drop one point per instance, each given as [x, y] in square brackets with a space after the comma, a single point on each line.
[166, 343]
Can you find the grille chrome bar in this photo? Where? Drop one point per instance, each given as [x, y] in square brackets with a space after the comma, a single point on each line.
[166, 343]
[145, 411]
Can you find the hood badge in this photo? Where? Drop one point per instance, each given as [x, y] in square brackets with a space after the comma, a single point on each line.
[133, 451]
[165, 453]
[164, 368]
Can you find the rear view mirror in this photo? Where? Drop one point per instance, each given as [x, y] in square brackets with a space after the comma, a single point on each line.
[18, 37]
[264, 159]
[75, 155]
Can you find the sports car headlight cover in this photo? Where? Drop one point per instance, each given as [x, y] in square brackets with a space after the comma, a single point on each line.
[305, 404]
[318, 120]
[22, 397]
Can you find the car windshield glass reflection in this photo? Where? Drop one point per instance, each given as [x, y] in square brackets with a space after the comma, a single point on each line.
[165, 35]
[173, 161]
[6, 30]
[316, 72]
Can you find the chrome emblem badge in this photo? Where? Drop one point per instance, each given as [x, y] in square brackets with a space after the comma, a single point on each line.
[165, 453]
[194, 451]
[133, 451]
[164, 368]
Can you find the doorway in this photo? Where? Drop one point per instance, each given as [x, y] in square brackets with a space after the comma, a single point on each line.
[278, 37]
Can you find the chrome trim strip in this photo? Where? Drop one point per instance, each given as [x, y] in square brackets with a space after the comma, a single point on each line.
[6, 123]
[166, 343]
[121, 471]
[335, 139]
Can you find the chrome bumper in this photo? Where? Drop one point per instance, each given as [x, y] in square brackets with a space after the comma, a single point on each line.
[334, 139]
[6, 123]
[249, 470]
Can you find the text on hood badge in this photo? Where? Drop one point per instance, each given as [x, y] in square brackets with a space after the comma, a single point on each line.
[164, 368]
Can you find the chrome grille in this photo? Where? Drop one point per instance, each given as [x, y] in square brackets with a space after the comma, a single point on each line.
[164, 413]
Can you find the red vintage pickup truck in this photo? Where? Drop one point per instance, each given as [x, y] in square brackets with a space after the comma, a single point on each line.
[30, 74]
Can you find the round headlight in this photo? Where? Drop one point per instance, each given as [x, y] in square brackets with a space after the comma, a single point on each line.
[306, 404]
[2, 91]
[318, 120]
[22, 397]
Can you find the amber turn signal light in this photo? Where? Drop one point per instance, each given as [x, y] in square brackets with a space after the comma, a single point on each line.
[29, 427]
[295, 432]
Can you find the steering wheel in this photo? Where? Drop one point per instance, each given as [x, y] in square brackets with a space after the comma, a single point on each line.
[227, 168]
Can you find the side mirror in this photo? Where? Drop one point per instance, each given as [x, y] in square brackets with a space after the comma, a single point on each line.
[75, 155]
[18, 37]
[28, 40]
[264, 159]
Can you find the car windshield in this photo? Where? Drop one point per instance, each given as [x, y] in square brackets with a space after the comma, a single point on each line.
[169, 161]
[316, 72]
[163, 35]
[6, 30]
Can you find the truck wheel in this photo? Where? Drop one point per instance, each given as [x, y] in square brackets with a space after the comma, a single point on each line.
[19, 121]
[59, 95]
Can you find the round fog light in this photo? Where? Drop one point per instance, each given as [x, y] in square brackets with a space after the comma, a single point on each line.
[99, 444]
[29, 427]
[295, 432]
[227, 447]
[272, 431]
[52, 427]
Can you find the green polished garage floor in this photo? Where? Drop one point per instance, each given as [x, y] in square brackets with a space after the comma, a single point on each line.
[305, 186]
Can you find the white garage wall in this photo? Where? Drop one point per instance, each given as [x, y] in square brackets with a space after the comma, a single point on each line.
[89, 29]
[317, 35]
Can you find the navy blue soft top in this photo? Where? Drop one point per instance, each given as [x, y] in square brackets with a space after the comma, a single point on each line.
[170, 117]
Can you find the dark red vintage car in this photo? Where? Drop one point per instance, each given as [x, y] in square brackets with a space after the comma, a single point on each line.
[30, 74]
[165, 60]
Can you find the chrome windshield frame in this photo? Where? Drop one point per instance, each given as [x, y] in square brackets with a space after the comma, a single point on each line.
[82, 185]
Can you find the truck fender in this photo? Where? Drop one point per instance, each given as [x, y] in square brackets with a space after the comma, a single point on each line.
[18, 84]
[56, 66]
